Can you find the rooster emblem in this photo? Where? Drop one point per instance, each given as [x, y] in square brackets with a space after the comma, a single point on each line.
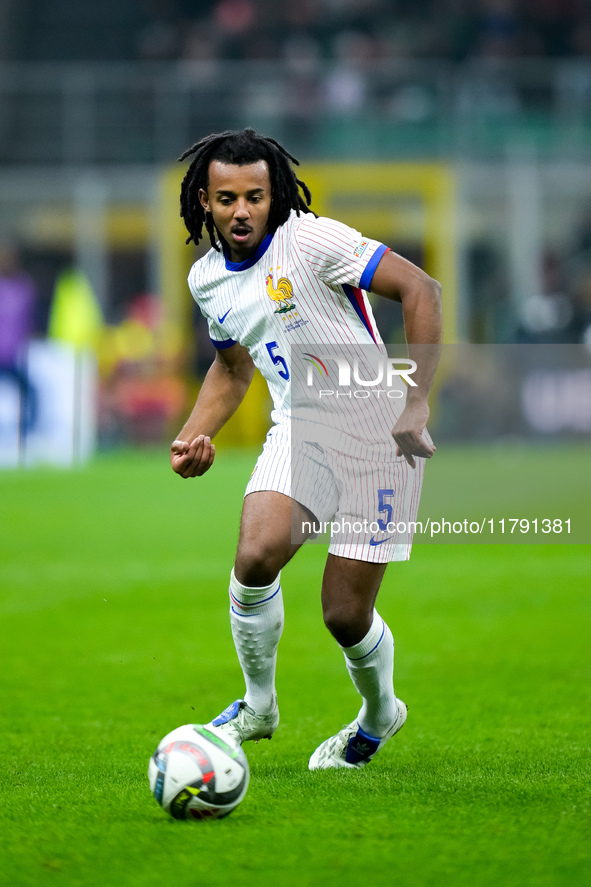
[283, 294]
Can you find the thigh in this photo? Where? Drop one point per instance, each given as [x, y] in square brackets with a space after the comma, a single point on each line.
[267, 539]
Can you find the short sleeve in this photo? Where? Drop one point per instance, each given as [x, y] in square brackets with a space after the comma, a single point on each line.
[217, 334]
[218, 338]
[338, 254]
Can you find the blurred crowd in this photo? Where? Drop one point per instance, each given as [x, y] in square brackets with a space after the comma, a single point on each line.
[309, 31]
[560, 312]
[142, 388]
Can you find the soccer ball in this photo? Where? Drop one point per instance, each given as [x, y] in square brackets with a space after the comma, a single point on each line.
[195, 774]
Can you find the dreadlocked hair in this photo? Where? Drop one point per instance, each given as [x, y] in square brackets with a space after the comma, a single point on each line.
[240, 148]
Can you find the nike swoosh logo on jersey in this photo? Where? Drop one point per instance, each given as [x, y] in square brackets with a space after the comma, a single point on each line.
[221, 319]
[372, 541]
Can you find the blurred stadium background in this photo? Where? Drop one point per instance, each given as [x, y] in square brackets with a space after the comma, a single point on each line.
[457, 132]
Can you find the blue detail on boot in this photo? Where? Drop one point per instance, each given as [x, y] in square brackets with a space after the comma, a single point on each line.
[228, 713]
[361, 747]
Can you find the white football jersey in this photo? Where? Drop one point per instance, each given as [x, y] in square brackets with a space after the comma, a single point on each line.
[304, 285]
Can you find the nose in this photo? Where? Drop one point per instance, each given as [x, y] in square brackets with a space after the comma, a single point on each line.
[241, 211]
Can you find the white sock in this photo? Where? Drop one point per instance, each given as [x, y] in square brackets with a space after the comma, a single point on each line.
[371, 666]
[256, 617]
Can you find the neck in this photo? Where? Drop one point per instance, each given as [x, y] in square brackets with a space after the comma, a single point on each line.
[238, 256]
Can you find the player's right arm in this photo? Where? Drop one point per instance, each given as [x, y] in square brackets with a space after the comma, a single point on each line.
[222, 392]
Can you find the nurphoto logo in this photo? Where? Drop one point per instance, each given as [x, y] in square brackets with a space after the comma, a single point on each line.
[386, 370]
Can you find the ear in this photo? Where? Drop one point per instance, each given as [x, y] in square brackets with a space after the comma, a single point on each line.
[204, 200]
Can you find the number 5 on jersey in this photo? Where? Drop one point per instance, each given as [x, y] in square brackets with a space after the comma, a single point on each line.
[277, 359]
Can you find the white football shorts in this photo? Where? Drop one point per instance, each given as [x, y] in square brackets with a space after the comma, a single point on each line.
[367, 507]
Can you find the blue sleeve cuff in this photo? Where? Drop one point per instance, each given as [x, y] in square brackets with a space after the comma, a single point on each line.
[367, 276]
[225, 343]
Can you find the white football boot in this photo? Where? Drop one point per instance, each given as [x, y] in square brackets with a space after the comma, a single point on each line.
[352, 747]
[239, 722]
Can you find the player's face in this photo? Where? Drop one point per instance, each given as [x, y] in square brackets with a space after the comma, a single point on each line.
[239, 199]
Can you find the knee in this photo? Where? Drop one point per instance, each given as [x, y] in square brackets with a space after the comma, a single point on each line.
[257, 564]
[347, 626]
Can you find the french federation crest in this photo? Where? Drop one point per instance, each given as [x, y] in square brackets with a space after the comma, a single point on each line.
[282, 296]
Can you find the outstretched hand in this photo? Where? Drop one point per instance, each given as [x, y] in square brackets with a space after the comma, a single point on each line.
[192, 459]
[408, 433]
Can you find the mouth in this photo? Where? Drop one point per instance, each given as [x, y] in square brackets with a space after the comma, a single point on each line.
[241, 233]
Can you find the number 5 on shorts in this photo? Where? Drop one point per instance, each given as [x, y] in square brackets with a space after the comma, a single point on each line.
[384, 507]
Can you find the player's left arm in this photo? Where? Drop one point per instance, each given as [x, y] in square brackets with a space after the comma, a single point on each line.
[398, 279]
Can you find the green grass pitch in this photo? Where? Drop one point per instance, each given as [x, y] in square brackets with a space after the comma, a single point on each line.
[114, 630]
